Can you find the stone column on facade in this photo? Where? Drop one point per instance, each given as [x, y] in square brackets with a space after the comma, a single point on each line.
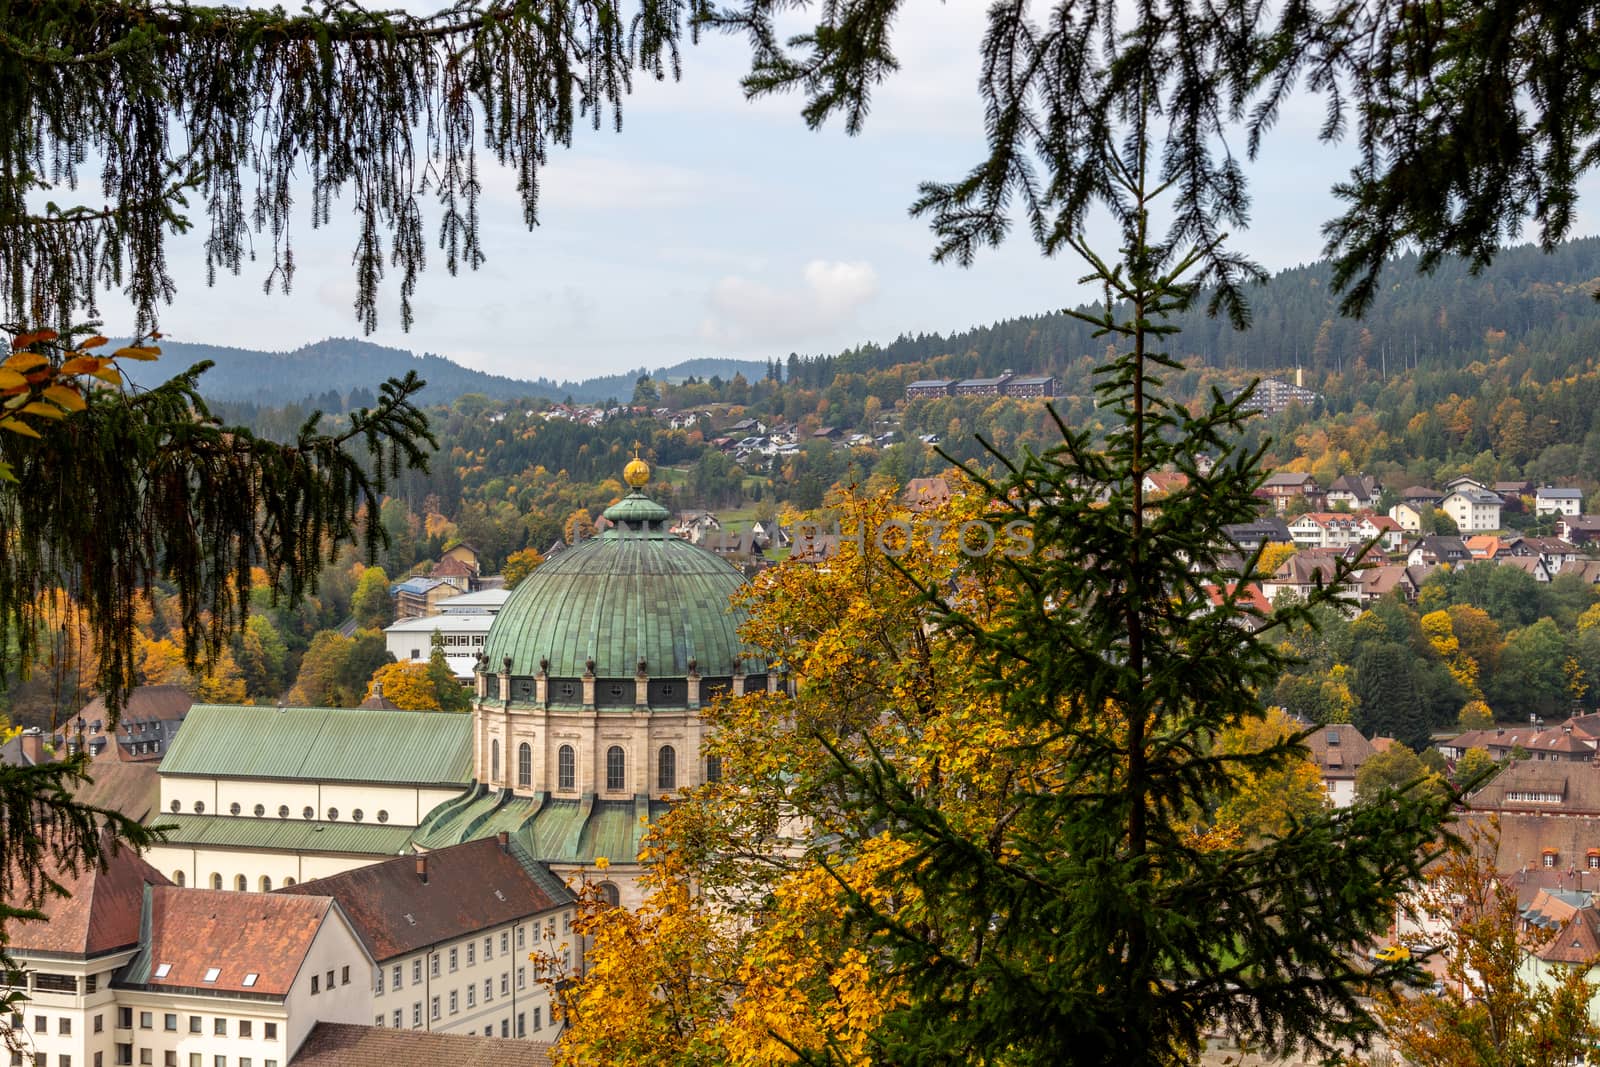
[641, 686]
[588, 685]
[505, 682]
[692, 684]
[541, 684]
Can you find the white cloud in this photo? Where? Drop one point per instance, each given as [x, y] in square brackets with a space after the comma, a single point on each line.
[828, 296]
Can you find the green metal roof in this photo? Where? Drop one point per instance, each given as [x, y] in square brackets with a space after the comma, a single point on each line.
[284, 835]
[552, 831]
[635, 592]
[325, 744]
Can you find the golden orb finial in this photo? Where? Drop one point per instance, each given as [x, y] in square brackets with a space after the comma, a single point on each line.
[637, 472]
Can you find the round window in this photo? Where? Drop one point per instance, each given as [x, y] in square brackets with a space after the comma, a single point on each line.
[283, 811]
[199, 807]
[261, 809]
[175, 806]
[383, 816]
[234, 809]
[356, 815]
[310, 812]
[333, 814]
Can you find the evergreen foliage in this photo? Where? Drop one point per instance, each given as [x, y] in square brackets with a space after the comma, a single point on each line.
[1093, 925]
[234, 107]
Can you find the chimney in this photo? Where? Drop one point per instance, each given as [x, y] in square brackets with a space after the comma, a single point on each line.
[504, 837]
[422, 868]
[32, 742]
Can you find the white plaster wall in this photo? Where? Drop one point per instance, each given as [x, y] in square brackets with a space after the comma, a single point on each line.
[334, 948]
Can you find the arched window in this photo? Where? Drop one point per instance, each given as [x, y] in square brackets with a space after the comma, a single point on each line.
[177, 878]
[666, 768]
[288, 881]
[525, 765]
[611, 893]
[616, 769]
[241, 883]
[216, 881]
[266, 884]
[494, 760]
[566, 769]
[713, 768]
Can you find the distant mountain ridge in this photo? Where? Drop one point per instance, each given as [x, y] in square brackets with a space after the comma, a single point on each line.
[344, 365]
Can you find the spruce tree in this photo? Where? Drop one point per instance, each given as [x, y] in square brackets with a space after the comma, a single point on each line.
[1100, 922]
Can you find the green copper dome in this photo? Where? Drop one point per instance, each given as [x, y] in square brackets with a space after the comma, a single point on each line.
[634, 593]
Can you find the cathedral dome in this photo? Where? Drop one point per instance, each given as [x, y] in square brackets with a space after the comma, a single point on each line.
[636, 602]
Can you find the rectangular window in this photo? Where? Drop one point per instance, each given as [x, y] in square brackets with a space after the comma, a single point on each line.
[398, 1019]
[522, 978]
[377, 983]
[272, 1031]
[505, 984]
[537, 1012]
[520, 942]
[472, 996]
[433, 964]
[488, 990]
[64, 1026]
[416, 1015]
[244, 1061]
[505, 1027]
[169, 1058]
[219, 1061]
[330, 980]
[196, 1024]
[416, 972]
[453, 966]
[455, 1004]
[125, 1053]
[246, 1028]
[522, 1025]
[197, 1059]
[146, 1056]
[99, 1023]
[433, 1007]
[472, 954]
[398, 974]
[64, 1060]
[219, 1027]
[488, 948]
[505, 942]
[314, 987]
[169, 1022]
[147, 1021]
[344, 976]
[377, 1020]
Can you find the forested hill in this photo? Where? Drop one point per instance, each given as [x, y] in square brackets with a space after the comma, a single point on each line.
[1444, 319]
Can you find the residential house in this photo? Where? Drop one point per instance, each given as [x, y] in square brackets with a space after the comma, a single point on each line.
[1421, 497]
[1158, 484]
[1409, 516]
[465, 553]
[457, 572]
[1273, 395]
[1556, 500]
[1247, 597]
[1564, 926]
[1512, 493]
[148, 725]
[1586, 571]
[1375, 583]
[1324, 529]
[1530, 565]
[1578, 529]
[1301, 574]
[1339, 750]
[693, 526]
[1567, 743]
[1031, 387]
[1555, 552]
[1437, 549]
[1267, 530]
[982, 386]
[1465, 481]
[1283, 487]
[1387, 532]
[1355, 491]
[449, 933]
[1472, 509]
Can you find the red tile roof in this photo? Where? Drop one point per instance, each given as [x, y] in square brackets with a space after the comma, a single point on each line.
[469, 887]
[265, 934]
[343, 1045]
[100, 914]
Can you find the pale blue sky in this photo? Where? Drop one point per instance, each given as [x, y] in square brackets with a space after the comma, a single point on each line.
[714, 227]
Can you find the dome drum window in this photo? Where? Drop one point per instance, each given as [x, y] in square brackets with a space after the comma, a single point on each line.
[522, 689]
[614, 693]
[491, 686]
[714, 687]
[662, 693]
[566, 690]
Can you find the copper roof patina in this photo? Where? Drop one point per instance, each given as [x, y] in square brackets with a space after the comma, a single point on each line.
[635, 593]
[326, 744]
